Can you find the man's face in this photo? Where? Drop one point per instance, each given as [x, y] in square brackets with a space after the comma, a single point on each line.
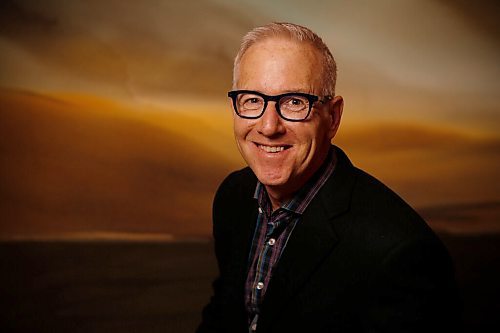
[276, 66]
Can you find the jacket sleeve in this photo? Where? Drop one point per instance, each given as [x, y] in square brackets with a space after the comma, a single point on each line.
[415, 291]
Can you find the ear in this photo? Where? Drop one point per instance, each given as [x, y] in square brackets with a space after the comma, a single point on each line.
[335, 108]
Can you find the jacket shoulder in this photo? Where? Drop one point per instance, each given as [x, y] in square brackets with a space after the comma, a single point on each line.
[372, 211]
[234, 195]
[375, 200]
[240, 182]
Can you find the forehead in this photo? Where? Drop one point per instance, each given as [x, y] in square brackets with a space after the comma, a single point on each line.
[279, 64]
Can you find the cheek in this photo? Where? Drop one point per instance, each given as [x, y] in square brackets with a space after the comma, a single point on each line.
[237, 127]
[241, 129]
[305, 135]
[319, 131]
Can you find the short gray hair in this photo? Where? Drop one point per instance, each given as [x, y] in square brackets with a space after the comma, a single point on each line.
[296, 33]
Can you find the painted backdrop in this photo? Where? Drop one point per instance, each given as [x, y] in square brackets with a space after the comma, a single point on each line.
[114, 122]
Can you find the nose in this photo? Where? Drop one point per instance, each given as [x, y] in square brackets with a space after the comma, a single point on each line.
[271, 124]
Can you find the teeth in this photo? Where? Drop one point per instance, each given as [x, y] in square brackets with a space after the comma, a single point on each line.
[271, 149]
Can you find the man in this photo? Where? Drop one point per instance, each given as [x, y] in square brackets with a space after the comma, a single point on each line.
[305, 241]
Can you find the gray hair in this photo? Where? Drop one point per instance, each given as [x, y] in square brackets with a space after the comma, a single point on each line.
[296, 33]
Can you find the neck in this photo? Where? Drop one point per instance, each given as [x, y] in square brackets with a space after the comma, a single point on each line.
[277, 197]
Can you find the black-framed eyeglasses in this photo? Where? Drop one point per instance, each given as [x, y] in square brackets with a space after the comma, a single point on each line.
[294, 106]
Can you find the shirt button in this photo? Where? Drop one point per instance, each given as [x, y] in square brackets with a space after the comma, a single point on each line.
[260, 285]
[271, 241]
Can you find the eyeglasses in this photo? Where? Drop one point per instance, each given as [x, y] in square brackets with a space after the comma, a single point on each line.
[293, 106]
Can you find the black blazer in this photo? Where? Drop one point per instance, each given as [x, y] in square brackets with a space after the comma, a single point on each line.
[360, 260]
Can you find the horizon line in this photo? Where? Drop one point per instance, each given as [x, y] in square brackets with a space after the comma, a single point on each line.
[100, 236]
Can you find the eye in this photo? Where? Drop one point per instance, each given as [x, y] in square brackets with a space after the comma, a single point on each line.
[250, 102]
[294, 103]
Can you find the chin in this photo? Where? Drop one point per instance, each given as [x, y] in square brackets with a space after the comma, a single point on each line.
[270, 178]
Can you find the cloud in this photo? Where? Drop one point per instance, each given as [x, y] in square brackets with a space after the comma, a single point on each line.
[138, 48]
[482, 15]
[406, 60]
[384, 137]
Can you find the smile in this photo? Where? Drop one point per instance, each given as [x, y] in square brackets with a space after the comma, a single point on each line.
[272, 149]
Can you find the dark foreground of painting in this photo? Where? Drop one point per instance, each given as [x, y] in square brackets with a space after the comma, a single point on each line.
[161, 287]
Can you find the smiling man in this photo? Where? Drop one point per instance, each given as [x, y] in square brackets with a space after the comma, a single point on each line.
[305, 241]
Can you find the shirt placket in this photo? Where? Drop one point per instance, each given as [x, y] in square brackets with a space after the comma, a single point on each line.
[274, 229]
[264, 264]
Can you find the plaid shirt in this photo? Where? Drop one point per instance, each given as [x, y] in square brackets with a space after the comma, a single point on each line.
[272, 231]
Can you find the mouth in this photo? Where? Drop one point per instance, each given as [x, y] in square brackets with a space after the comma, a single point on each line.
[272, 149]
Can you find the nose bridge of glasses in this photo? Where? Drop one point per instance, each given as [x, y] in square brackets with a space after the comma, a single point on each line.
[274, 101]
[270, 122]
[265, 103]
